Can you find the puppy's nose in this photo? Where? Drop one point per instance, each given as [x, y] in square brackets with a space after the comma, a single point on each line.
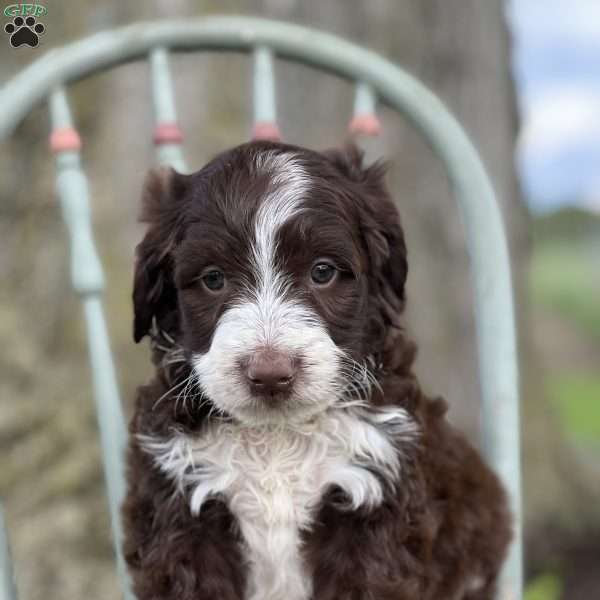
[270, 372]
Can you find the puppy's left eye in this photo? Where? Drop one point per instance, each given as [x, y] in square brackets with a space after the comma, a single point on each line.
[322, 273]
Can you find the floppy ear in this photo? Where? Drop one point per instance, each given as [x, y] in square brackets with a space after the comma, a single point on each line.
[380, 228]
[154, 292]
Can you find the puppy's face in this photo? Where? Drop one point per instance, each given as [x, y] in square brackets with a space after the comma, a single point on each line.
[272, 268]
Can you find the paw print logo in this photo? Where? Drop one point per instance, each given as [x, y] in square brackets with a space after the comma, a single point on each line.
[24, 32]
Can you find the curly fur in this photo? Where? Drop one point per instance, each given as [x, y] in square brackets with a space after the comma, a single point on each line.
[354, 487]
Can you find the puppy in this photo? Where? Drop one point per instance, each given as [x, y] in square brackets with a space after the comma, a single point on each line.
[284, 449]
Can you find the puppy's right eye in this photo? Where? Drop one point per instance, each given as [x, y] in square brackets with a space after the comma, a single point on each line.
[214, 280]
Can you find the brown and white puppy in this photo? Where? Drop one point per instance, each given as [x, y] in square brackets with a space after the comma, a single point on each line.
[284, 449]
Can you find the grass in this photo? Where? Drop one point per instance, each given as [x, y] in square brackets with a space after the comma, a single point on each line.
[565, 277]
[565, 281]
[577, 397]
[544, 587]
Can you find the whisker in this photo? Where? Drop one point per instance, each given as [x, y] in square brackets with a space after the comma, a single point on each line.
[167, 393]
[181, 395]
[360, 379]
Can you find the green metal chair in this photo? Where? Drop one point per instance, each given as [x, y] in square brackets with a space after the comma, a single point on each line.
[376, 80]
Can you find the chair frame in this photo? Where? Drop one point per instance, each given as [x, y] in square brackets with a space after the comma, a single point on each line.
[376, 80]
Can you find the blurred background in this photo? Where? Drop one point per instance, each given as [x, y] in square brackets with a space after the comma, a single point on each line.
[523, 76]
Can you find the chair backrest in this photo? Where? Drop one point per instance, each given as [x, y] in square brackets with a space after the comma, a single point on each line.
[376, 80]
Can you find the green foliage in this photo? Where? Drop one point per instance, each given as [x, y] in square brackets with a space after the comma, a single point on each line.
[577, 397]
[569, 224]
[544, 587]
[565, 277]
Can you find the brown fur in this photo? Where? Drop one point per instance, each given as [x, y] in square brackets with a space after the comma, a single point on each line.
[447, 520]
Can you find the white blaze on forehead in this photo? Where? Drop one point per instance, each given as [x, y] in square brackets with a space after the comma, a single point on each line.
[289, 185]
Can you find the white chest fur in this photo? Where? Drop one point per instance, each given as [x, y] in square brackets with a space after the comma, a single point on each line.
[273, 477]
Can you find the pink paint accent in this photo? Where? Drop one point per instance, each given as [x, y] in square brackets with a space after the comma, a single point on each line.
[65, 139]
[266, 130]
[365, 124]
[167, 133]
